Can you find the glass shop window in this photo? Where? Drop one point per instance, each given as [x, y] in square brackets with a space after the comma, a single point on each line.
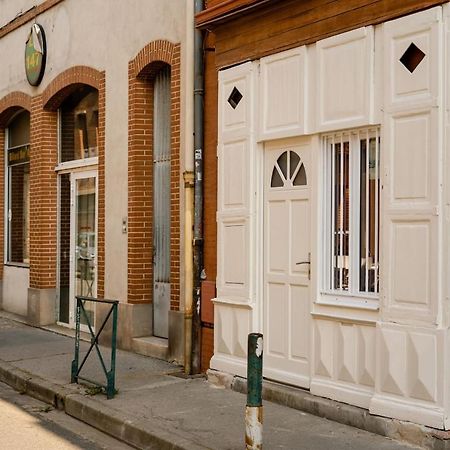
[18, 191]
[352, 212]
[79, 125]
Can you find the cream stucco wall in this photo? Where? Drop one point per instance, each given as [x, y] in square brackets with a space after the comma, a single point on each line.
[105, 36]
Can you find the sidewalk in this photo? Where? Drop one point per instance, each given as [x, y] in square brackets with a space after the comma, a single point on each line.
[156, 409]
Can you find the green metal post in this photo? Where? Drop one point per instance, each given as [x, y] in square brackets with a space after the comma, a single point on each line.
[111, 390]
[74, 374]
[254, 369]
[254, 409]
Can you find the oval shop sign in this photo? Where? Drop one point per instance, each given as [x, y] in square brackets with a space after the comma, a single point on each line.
[35, 55]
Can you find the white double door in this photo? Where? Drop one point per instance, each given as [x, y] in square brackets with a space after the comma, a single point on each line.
[287, 264]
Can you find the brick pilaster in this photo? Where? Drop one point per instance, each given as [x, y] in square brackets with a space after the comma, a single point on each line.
[141, 72]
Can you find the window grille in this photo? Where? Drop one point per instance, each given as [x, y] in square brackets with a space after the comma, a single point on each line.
[353, 211]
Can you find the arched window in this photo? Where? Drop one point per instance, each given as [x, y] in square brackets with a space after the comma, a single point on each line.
[18, 191]
[288, 171]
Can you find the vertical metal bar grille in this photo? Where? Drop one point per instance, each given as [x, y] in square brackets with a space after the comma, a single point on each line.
[355, 198]
[341, 212]
[333, 214]
[161, 156]
[367, 234]
[377, 207]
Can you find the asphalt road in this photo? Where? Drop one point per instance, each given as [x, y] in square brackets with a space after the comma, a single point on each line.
[28, 424]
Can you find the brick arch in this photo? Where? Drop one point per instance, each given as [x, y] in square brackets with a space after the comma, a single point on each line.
[141, 71]
[67, 82]
[152, 57]
[12, 103]
[44, 150]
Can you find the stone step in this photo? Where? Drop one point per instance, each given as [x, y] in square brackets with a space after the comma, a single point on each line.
[153, 346]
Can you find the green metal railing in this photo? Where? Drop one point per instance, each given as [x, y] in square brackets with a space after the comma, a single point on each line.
[76, 367]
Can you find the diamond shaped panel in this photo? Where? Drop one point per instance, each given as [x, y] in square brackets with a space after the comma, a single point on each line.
[412, 57]
[235, 97]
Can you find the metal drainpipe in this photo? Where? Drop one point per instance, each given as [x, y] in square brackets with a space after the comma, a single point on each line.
[189, 265]
[198, 191]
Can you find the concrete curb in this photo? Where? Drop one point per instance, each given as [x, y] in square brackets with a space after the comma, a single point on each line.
[354, 416]
[138, 433]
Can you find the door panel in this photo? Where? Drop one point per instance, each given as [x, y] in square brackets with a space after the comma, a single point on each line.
[287, 285]
[161, 208]
[77, 252]
[85, 242]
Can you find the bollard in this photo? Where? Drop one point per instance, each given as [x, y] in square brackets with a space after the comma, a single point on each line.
[254, 409]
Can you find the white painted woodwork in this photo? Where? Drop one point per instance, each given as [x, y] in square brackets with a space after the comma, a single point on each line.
[409, 382]
[385, 355]
[345, 78]
[403, 89]
[282, 94]
[411, 158]
[235, 177]
[287, 238]
[235, 220]
[344, 363]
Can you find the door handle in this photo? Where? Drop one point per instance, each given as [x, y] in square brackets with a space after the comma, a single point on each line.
[306, 262]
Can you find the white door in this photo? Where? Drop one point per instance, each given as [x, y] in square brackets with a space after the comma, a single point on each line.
[83, 243]
[286, 264]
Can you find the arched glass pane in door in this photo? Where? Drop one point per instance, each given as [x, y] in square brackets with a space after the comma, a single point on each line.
[288, 171]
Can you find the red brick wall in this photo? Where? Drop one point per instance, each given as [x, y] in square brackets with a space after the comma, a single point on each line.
[141, 72]
[44, 179]
[43, 159]
[210, 195]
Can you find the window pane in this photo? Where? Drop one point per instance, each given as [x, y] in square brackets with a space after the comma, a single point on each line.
[18, 194]
[79, 125]
[64, 246]
[276, 180]
[369, 222]
[300, 178]
[293, 163]
[19, 130]
[19, 224]
[341, 219]
[282, 164]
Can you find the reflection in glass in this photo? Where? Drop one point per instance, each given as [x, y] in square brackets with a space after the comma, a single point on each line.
[369, 223]
[79, 125]
[64, 247]
[85, 242]
[18, 161]
[341, 218]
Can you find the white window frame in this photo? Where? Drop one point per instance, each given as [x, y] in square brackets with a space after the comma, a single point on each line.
[351, 297]
[68, 166]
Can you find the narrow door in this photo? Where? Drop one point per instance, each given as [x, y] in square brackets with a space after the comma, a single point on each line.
[287, 265]
[161, 204]
[83, 240]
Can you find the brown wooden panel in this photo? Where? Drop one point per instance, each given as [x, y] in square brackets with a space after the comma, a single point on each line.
[290, 23]
[218, 9]
[208, 292]
[207, 348]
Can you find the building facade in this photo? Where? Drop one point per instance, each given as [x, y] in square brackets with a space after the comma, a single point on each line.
[95, 150]
[330, 126]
